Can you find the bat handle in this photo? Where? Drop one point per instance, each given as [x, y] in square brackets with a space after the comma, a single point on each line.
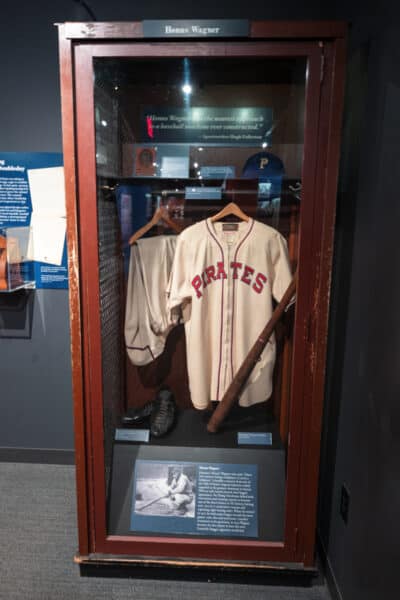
[212, 427]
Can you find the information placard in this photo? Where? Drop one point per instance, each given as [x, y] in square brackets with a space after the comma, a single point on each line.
[207, 499]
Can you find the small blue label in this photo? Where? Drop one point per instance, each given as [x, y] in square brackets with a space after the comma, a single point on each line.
[215, 172]
[254, 438]
[132, 435]
[203, 193]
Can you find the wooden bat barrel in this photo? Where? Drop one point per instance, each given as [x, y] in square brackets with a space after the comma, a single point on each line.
[237, 383]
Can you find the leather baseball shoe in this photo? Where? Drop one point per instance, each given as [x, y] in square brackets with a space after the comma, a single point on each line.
[137, 416]
[163, 414]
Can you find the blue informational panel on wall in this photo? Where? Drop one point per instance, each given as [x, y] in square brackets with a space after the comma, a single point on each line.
[32, 195]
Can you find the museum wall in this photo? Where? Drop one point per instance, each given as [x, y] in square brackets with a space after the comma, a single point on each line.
[362, 409]
[361, 432]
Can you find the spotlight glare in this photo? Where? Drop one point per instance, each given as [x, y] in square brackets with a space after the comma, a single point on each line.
[187, 89]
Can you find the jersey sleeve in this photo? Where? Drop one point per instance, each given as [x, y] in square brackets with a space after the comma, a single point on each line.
[281, 271]
[179, 289]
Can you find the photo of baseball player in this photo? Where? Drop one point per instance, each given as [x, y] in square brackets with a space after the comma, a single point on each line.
[165, 490]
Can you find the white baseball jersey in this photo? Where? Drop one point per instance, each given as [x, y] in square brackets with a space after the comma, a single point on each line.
[224, 276]
[146, 318]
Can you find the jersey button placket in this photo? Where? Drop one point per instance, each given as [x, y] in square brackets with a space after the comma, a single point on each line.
[228, 318]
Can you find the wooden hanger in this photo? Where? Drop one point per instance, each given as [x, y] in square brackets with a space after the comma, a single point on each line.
[161, 214]
[230, 209]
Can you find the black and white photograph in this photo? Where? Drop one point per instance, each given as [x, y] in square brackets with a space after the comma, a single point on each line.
[163, 489]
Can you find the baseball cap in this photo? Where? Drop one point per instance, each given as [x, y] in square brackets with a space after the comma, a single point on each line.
[268, 169]
[263, 165]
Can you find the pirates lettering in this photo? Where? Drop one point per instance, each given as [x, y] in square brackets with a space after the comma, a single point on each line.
[238, 271]
[221, 271]
[197, 283]
[210, 272]
[235, 266]
[259, 283]
[248, 272]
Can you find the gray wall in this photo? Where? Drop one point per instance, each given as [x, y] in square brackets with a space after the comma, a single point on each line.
[360, 445]
[36, 406]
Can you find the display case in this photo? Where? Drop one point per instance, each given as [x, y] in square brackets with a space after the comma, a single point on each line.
[201, 163]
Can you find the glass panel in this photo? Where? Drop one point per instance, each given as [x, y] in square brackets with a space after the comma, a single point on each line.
[177, 139]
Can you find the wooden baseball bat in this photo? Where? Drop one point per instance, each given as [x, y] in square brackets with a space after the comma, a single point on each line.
[237, 383]
[153, 502]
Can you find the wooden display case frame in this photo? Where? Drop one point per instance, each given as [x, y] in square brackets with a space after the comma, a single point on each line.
[323, 44]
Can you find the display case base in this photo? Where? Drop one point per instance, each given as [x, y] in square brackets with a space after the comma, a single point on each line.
[260, 573]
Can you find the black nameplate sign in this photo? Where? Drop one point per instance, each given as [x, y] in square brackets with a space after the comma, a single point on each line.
[198, 29]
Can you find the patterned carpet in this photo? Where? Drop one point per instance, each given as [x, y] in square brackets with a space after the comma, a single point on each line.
[38, 541]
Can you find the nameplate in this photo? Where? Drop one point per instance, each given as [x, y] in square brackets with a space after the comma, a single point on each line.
[196, 28]
[248, 438]
[132, 435]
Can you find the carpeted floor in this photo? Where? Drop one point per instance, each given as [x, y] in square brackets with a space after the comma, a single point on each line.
[38, 540]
